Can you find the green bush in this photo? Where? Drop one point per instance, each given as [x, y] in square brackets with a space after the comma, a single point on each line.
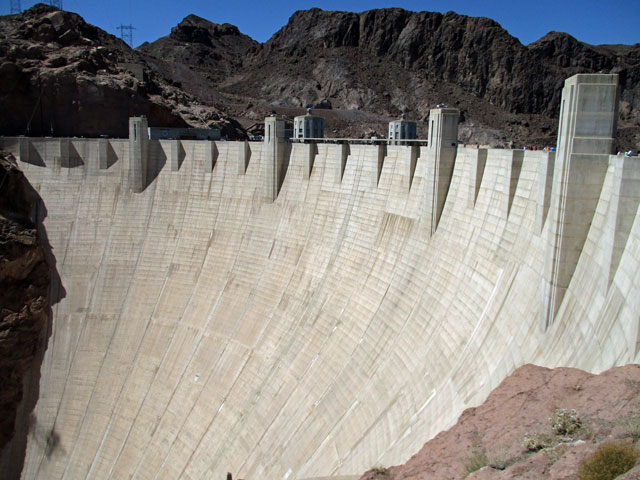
[608, 461]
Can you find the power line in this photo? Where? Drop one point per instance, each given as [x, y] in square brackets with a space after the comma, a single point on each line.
[126, 33]
[17, 8]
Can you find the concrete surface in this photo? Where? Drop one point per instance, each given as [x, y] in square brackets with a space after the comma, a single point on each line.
[320, 329]
[588, 117]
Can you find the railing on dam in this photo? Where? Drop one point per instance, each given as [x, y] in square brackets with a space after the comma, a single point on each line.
[420, 142]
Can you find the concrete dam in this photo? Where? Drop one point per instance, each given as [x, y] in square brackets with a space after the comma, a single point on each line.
[299, 310]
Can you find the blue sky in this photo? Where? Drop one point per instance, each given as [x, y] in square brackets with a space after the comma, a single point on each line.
[595, 22]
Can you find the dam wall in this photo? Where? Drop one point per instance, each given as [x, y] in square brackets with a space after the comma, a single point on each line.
[209, 326]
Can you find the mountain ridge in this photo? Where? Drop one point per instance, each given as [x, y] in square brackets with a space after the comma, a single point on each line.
[392, 61]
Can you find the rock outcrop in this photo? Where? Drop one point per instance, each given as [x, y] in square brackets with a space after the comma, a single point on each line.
[64, 77]
[392, 60]
[199, 53]
[24, 290]
[475, 54]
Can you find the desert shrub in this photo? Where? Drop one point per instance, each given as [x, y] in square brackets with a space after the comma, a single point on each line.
[564, 421]
[537, 441]
[380, 471]
[476, 460]
[608, 461]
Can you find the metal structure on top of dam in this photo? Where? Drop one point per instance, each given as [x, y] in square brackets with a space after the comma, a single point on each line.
[287, 310]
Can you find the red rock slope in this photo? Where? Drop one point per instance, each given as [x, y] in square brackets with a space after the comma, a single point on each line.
[525, 404]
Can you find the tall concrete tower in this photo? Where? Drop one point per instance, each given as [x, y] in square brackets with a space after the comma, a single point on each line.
[588, 118]
[441, 154]
[274, 152]
[138, 153]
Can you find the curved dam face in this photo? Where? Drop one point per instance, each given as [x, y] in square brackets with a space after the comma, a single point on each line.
[207, 329]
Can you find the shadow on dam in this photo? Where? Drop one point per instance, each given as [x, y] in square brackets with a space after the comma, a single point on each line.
[12, 456]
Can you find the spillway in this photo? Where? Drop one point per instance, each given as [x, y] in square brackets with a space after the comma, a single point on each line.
[202, 328]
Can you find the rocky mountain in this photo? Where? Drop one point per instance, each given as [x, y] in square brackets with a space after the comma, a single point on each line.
[388, 61]
[199, 53]
[64, 77]
[538, 423]
[398, 50]
[563, 56]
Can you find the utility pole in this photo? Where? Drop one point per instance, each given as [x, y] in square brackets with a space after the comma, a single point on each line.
[126, 33]
[15, 6]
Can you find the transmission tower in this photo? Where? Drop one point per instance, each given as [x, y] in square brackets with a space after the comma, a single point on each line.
[126, 33]
[56, 3]
[15, 6]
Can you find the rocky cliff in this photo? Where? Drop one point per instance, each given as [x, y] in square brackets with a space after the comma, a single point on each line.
[24, 290]
[394, 48]
[64, 77]
[198, 54]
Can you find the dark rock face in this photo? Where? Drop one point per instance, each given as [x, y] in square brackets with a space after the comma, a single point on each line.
[24, 291]
[563, 56]
[475, 54]
[199, 54]
[194, 29]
